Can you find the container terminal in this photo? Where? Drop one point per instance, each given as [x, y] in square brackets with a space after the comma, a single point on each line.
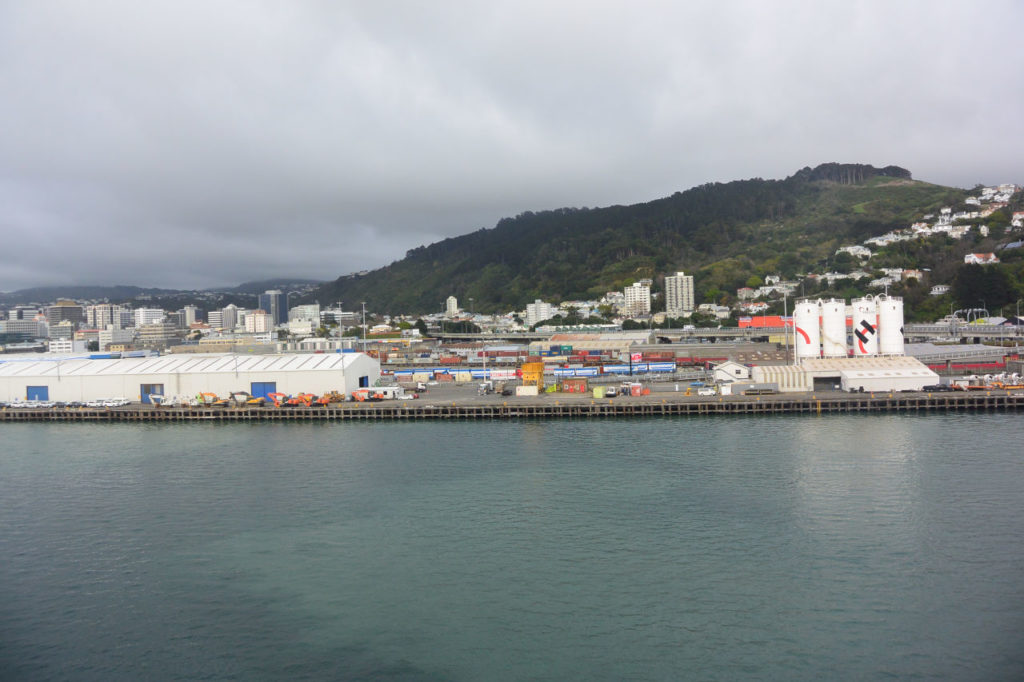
[843, 358]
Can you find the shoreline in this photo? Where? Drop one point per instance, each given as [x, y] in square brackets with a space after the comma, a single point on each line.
[549, 407]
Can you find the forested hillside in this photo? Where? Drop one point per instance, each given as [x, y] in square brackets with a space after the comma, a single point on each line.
[721, 232]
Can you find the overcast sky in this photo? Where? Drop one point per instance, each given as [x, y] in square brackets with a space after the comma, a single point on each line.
[190, 144]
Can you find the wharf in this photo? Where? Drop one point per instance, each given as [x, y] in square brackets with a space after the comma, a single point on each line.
[545, 408]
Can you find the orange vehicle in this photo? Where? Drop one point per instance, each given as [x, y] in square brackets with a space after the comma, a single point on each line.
[301, 400]
[277, 398]
[366, 395]
[331, 397]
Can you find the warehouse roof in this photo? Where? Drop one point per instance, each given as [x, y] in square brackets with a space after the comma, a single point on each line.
[869, 363]
[173, 364]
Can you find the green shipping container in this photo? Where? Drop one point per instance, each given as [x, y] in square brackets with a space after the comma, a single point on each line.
[599, 392]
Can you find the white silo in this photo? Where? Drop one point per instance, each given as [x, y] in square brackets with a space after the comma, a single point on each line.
[833, 328]
[865, 326]
[890, 325]
[807, 328]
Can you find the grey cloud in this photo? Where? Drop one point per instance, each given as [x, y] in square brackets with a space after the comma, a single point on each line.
[197, 143]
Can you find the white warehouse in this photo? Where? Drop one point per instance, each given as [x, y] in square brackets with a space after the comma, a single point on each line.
[83, 379]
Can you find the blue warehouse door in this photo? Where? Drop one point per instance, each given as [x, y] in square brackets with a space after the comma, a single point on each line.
[146, 390]
[260, 389]
[37, 392]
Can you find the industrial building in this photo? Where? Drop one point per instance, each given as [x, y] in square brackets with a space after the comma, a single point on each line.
[868, 374]
[85, 379]
[859, 347]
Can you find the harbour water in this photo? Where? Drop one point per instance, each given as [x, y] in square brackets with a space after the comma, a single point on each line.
[716, 548]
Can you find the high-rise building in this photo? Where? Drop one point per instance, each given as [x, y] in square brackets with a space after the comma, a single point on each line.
[24, 329]
[62, 330]
[113, 334]
[177, 319]
[679, 295]
[538, 311]
[258, 322]
[309, 312]
[103, 314]
[145, 316]
[451, 307]
[191, 315]
[230, 315]
[65, 310]
[158, 334]
[274, 303]
[638, 300]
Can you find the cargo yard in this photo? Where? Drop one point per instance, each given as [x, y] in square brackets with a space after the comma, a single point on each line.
[843, 358]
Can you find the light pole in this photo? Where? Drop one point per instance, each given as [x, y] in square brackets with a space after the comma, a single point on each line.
[785, 326]
[364, 325]
[1017, 324]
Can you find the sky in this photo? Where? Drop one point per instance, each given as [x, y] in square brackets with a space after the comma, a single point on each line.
[204, 143]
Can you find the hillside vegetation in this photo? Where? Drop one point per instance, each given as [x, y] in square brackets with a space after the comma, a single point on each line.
[723, 233]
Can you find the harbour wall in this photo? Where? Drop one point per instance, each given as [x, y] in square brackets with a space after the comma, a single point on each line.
[542, 409]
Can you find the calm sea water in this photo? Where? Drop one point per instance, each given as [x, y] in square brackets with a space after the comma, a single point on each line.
[785, 548]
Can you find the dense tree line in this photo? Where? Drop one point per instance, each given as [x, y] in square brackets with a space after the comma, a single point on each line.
[723, 233]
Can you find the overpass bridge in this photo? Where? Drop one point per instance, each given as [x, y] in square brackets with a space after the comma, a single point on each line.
[963, 333]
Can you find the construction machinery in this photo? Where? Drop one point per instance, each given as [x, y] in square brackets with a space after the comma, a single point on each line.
[300, 400]
[331, 397]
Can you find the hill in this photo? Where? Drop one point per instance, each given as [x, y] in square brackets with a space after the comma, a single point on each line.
[243, 295]
[721, 232]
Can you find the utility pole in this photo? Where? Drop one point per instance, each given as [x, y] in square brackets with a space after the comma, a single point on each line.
[785, 326]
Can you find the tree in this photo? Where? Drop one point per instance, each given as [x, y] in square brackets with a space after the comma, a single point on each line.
[460, 327]
[703, 319]
[422, 326]
[843, 262]
[974, 284]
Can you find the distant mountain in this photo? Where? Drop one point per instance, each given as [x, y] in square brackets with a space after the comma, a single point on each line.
[243, 294]
[283, 284]
[78, 293]
[721, 232]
